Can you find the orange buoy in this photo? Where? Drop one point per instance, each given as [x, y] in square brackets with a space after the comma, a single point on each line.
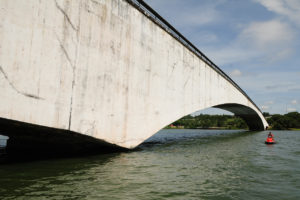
[270, 139]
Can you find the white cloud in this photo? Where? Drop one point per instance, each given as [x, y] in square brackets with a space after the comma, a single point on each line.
[267, 35]
[236, 73]
[265, 42]
[283, 82]
[265, 107]
[291, 109]
[294, 102]
[285, 8]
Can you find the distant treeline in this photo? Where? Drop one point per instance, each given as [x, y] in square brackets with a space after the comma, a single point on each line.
[283, 122]
[209, 121]
[276, 122]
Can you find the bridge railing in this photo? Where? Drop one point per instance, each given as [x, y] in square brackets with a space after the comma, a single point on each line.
[160, 21]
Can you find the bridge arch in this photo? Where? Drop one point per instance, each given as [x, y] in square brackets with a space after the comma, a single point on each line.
[253, 119]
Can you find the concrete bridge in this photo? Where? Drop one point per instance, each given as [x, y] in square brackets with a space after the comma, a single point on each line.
[103, 70]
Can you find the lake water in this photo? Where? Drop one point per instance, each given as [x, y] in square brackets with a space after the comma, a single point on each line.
[174, 164]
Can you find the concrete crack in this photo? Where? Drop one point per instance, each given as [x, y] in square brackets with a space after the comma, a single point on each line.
[73, 66]
[74, 63]
[66, 16]
[71, 102]
[65, 51]
[15, 89]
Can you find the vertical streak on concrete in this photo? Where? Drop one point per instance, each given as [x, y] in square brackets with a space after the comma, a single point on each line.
[78, 34]
[127, 78]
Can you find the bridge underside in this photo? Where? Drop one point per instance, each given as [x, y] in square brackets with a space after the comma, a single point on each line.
[28, 141]
[252, 119]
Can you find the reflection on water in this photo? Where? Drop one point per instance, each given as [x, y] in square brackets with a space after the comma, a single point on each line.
[174, 164]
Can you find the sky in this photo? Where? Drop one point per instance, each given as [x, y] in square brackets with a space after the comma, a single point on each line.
[256, 42]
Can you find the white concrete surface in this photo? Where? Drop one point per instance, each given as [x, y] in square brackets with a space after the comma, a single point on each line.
[100, 68]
